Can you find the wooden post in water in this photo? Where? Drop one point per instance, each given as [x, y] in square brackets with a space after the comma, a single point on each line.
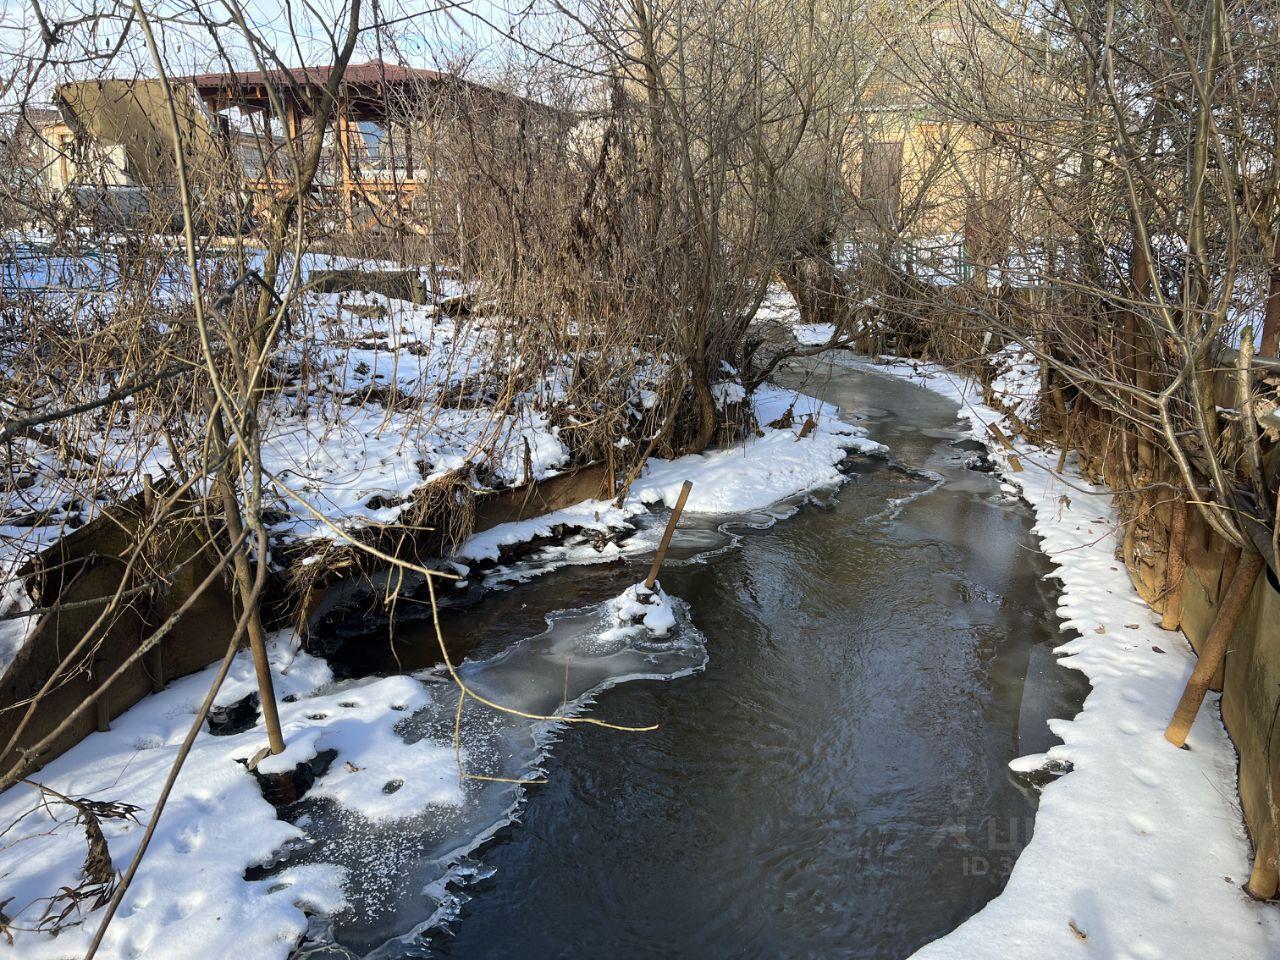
[666, 535]
[1215, 647]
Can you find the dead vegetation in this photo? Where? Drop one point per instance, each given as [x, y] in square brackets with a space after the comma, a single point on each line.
[98, 878]
[579, 249]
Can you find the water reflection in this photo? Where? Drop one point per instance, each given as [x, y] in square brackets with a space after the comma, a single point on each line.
[834, 783]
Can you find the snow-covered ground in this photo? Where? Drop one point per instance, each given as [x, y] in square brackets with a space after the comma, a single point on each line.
[191, 899]
[392, 769]
[1140, 851]
[376, 398]
[747, 476]
[384, 414]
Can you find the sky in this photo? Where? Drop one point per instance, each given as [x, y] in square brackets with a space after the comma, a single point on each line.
[199, 35]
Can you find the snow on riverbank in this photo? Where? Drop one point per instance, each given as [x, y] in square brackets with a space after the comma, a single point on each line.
[762, 470]
[191, 898]
[386, 416]
[1140, 851]
[375, 398]
[393, 762]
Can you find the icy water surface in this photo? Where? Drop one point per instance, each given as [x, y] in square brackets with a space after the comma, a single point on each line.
[833, 784]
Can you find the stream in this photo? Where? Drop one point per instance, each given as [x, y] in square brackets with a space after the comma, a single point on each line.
[847, 681]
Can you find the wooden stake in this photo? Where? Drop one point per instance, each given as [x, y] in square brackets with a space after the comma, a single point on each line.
[996, 432]
[154, 659]
[666, 536]
[1067, 433]
[1215, 647]
[102, 712]
[1176, 568]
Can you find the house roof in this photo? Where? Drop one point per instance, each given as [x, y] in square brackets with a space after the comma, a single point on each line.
[364, 87]
[38, 117]
[370, 74]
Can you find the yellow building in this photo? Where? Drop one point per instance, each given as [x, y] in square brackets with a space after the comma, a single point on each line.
[917, 169]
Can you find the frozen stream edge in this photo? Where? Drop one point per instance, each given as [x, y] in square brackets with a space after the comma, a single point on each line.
[1139, 853]
[223, 875]
[1121, 844]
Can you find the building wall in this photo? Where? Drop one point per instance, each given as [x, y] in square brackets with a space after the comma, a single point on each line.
[951, 183]
[95, 163]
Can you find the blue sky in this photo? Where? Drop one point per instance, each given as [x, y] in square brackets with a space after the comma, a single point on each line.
[295, 28]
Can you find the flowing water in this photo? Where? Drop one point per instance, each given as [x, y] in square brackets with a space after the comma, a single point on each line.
[834, 781]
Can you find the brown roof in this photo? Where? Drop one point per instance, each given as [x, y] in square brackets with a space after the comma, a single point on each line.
[363, 86]
[356, 75]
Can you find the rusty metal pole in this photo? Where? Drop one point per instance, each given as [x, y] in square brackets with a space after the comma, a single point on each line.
[666, 535]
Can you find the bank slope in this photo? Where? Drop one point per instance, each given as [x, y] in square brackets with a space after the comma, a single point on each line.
[1139, 852]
